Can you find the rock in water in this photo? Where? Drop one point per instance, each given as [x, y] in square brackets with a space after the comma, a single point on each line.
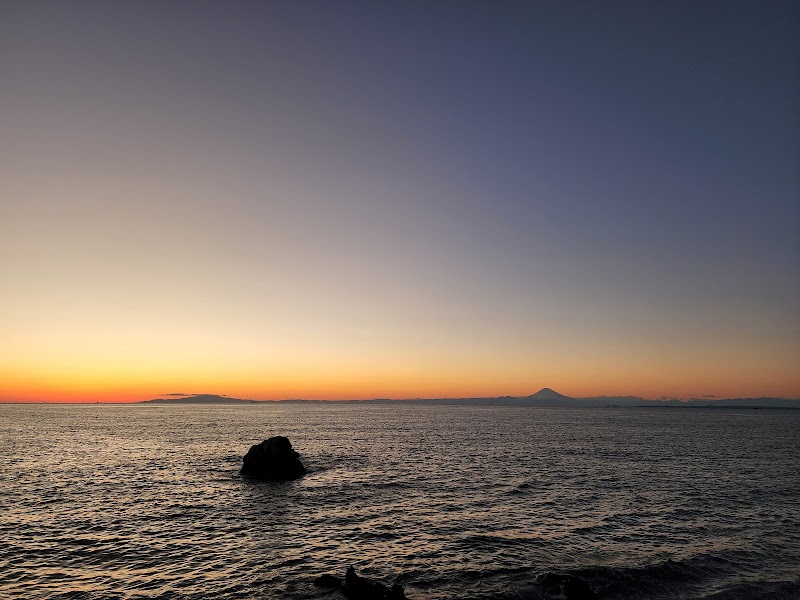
[360, 588]
[328, 581]
[274, 460]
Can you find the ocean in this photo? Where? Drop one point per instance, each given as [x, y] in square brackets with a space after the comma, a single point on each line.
[463, 502]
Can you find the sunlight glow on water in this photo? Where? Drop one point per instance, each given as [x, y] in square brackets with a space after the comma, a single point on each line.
[452, 502]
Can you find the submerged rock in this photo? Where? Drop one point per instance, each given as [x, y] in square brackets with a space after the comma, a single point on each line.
[355, 587]
[274, 460]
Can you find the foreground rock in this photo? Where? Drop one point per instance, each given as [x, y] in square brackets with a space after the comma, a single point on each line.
[328, 581]
[355, 587]
[273, 460]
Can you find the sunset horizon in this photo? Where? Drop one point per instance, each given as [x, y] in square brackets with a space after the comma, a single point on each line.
[121, 397]
[421, 300]
[268, 206]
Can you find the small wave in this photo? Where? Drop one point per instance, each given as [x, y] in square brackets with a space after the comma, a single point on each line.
[773, 590]
[649, 581]
[484, 540]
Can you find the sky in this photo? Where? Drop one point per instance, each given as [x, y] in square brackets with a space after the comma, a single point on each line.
[399, 199]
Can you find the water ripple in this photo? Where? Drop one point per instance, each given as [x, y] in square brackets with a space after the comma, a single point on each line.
[453, 502]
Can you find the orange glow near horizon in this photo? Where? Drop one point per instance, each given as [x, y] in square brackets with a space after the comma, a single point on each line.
[118, 386]
[205, 214]
[79, 355]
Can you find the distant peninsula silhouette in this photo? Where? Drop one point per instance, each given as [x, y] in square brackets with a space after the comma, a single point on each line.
[199, 399]
[546, 397]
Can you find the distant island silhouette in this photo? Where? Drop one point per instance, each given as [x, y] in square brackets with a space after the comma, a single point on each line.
[199, 399]
[546, 397]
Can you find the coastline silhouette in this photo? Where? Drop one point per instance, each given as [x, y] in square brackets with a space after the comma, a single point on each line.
[545, 397]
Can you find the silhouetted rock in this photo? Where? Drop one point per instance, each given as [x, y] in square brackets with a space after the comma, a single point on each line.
[328, 581]
[360, 588]
[273, 459]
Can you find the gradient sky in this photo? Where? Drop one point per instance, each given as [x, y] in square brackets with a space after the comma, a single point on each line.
[399, 199]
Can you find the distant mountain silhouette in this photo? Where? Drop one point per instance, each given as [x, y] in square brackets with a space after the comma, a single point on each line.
[546, 397]
[548, 394]
[550, 398]
[199, 399]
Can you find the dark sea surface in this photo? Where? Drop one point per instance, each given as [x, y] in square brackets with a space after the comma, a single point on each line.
[146, 501]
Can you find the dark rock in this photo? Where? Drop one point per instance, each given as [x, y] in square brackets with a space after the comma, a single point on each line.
[273, 459]
[328, 581]
[360, 588]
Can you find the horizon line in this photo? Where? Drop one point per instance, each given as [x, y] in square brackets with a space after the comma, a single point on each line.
[178, 399]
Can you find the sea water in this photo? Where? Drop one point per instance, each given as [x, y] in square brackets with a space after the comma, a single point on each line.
[146, 501]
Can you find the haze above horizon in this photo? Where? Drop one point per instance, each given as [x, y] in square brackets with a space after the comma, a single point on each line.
[293, 200]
